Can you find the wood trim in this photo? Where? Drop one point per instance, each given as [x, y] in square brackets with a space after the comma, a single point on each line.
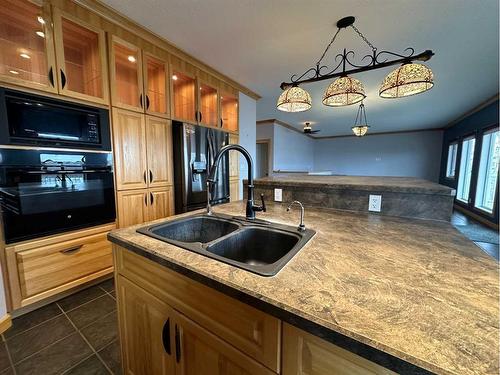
[283, 124]
[123, 21]
[475, 216]
[477, 108]
[5, 323]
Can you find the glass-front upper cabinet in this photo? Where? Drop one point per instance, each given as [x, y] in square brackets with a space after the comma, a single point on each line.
[27, 55]
[81, 59]
[156, 85]
[126, 75]
[208, 104]
[229, 110]
[183, 80]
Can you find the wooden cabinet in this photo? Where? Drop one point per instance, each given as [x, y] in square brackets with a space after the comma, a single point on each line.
[159, 151]
[146, 331]
[229, 108]
[200, 352]
[47, 266]
[26, 42]
[156, 84]
[126, 75]
[129, 144]
[138, 206]
[184, 93]
[304, 354]
[208, 99]
[81, 59]
[247, 329]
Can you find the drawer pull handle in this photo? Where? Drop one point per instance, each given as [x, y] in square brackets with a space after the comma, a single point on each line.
[71, 250]
[165, 336]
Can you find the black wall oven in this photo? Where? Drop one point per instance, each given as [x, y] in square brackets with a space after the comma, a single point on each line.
[33, 120]
[45, 192]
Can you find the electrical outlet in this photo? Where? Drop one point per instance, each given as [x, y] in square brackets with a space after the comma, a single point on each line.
[278, 195]
[375, 203]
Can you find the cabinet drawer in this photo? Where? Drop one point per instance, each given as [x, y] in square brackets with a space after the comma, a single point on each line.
[47, 267]
[253, 332]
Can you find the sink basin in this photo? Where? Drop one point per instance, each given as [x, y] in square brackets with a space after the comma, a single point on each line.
[202, 229]
[257, 246]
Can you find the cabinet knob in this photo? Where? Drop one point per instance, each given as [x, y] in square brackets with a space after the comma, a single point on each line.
[51, 76]
[165, 336]
[177, 344]
[140, 101]
[63, 79]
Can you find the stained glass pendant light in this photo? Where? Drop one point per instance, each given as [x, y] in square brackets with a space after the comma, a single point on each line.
[360, 127]
[294, 99]
[344, 91]
[409, 79]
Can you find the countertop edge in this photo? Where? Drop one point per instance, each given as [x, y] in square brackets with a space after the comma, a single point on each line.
[387, 360]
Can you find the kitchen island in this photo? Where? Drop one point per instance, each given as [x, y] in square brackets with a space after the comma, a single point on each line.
[412, 296]
[400, 196]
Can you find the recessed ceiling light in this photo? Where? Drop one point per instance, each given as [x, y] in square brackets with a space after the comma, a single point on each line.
[41, 34]
[41, 20]
[15, 72]
[25, 56]
[174, 77]
[131, 59]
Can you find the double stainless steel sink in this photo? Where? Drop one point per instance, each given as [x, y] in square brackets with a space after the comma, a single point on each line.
[257, 246]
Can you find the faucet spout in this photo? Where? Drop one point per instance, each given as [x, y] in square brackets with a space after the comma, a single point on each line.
[251, 207]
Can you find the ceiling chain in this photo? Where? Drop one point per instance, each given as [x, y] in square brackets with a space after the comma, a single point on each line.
[327, 47]
[364, 38]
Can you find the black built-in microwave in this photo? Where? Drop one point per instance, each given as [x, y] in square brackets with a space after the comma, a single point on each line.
[34, 120]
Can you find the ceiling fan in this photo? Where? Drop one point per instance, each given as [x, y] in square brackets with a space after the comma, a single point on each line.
[308, 129]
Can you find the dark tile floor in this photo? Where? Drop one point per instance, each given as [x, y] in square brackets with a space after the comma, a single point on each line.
[458, 219]
[75, 335]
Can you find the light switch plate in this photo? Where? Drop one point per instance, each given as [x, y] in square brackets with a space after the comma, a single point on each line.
[278, 195]
[375, 203]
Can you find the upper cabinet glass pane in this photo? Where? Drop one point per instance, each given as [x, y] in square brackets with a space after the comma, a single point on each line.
[126, 83]
[208, 105]
[156, 89]
[23, 53]
[184, 99]
[488, 172]
[82, 59]
[229, 115]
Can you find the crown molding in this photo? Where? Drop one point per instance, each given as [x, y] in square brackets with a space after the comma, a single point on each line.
[283, 124]
[477, 108]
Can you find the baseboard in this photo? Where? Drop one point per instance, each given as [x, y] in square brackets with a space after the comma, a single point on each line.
[5, 323]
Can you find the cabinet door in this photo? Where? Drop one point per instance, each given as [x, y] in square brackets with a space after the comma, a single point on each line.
[132, 207]
[234, 158]
[159, 151]
[208, 111]
[145, 330]
[161, 203]
[183, 95]
[156, 85]
[81, 59]
[234, 189]
[198, 351]
[129, 144]
[304, 354]
[27, 49]
[126, 75]
[229, 111]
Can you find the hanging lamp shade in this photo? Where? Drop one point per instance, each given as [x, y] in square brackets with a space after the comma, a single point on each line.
[344, 91]
[360, 127]
[294, 99]
[408, 79]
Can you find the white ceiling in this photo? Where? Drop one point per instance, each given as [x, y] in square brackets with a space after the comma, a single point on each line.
[261, 43]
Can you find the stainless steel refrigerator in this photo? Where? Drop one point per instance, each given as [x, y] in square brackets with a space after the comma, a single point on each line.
[194, 150]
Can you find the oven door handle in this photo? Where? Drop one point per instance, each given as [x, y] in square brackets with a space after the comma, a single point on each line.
[71, 250]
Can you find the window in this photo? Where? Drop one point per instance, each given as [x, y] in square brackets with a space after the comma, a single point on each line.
[488, 171]
[452, 160]
[465, 174]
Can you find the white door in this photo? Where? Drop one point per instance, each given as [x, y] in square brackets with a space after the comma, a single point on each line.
[262, 160]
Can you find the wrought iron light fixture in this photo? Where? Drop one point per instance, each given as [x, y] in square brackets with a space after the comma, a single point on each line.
[360, 127]
[409, 79]
[294, 99]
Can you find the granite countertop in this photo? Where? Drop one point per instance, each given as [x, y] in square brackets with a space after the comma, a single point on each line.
[417, 290]
[387, 183]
